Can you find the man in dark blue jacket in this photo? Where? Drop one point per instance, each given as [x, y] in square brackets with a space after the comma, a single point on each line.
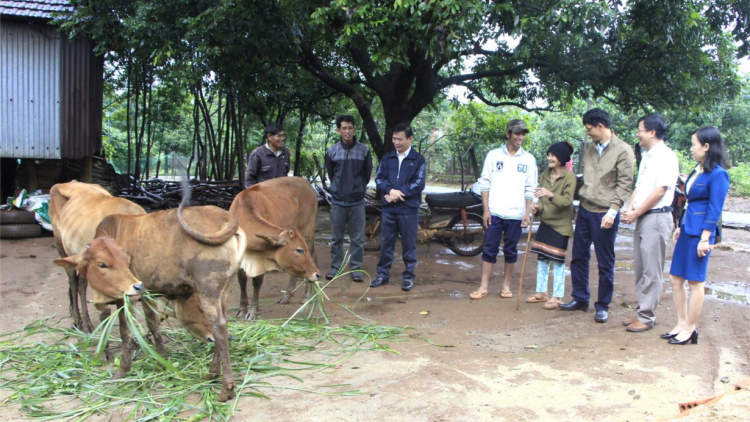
[400, 181]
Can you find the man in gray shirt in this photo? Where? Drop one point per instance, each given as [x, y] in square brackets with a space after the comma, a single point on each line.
[270, 160]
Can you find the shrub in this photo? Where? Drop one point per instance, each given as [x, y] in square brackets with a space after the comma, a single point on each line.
[739, 176]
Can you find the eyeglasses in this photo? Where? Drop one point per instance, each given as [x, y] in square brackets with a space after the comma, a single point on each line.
[589, 129]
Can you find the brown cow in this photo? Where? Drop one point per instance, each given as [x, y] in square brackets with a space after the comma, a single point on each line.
[281, 213]
[106, 266]
[75, 210]
[178, 255]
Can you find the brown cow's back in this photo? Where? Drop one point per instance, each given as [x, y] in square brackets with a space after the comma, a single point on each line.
[77, 208]
[168, 260]
[284, 202]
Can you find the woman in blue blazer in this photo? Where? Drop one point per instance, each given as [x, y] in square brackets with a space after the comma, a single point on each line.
[706, 190]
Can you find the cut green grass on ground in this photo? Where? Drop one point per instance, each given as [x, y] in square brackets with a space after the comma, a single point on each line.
[54, 373]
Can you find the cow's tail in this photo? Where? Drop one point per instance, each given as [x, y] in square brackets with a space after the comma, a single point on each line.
[228, 229]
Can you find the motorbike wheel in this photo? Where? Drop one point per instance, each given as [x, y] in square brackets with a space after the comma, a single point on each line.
[372, 233]
[468, 241]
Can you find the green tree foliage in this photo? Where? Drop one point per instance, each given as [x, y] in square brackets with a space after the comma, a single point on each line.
[401, 55]
[405, 52]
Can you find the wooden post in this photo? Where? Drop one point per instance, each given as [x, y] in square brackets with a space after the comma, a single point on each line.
[31, 181]
[86, 169]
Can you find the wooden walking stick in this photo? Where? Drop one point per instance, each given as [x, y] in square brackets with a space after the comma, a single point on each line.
[523, 267]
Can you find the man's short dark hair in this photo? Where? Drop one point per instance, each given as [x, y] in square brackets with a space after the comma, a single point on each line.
[272, 129]
[344, 118]
[404, 127]
[655, 122]
[595, 116]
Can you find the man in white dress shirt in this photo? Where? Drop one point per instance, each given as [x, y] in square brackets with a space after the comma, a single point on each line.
[651, 210]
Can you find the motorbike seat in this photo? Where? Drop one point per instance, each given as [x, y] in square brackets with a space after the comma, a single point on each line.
[451, 200]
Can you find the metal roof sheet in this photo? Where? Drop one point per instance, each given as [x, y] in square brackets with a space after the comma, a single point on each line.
[34, 8]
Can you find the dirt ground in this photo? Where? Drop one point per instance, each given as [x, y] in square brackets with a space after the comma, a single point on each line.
[532, 365]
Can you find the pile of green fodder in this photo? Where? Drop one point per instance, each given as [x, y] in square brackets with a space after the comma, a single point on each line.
[57, 373]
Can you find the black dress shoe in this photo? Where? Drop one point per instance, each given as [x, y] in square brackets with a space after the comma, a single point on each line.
[667, 336]
[331, 274]
[357, 276]
[693, 339]
[380, 281]
[601, 316]
[407, 285]
[575, 305]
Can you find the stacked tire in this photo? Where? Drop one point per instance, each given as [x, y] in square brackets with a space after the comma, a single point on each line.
[18, 224]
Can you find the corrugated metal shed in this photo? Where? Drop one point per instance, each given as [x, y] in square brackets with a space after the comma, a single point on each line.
[51, 89]
[82, 97]
[34, 9]
[29, 91]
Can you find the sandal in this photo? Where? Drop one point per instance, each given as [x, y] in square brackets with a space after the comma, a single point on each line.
[506, 294]
[539, 297]
[553, 303]
[478, 295]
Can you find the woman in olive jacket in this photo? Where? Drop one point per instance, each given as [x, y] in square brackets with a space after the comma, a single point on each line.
[555, 207]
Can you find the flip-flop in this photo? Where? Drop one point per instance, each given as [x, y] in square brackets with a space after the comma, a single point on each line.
[551, 304]
[537, 299]
[506, 294]
[478, 295]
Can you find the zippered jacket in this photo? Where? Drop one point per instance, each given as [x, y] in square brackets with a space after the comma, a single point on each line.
[349, 168]
[264, 165]
[409, 179]
[607, 180]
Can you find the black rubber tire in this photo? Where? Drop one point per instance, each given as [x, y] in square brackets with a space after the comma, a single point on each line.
[17, 217]
[372, 238]
[476, 242]
[20, 231]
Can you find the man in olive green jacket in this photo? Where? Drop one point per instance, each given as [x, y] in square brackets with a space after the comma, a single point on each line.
[607, 178]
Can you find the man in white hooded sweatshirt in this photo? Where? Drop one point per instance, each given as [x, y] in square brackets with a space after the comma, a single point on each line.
[508, 183]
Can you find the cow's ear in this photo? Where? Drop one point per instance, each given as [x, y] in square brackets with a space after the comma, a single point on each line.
[270, 239]
[130, 258]
[69, 262]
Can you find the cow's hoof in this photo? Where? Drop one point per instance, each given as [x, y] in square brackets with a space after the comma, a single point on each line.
[211, 376]
[107, 356]
[284, 300]
[248, 314]
[118, 375]
[226, 394]
[304, 299]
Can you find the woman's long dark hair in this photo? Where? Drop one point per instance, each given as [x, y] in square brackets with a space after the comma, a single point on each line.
[717, 152]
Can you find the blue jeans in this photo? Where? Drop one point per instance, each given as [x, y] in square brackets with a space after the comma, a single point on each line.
[391, 226]
[588, 231]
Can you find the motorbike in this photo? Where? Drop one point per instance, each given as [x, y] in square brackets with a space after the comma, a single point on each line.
[451, 219]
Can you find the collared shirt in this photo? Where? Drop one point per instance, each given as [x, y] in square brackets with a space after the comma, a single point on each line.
[601, 146]
[401, 158]
[276, 153]
[659, 168]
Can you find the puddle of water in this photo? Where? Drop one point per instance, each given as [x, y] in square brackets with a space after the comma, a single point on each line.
[732, 291]
[460, 264]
